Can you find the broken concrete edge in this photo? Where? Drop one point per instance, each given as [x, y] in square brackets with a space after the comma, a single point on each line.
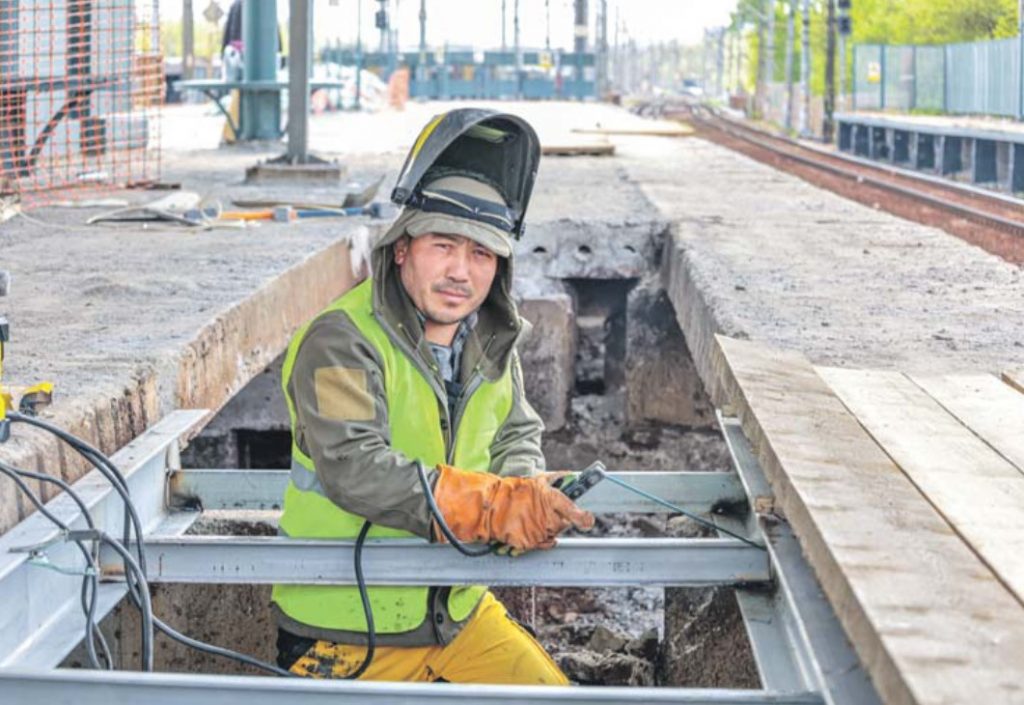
[223, 356]
[696, 316]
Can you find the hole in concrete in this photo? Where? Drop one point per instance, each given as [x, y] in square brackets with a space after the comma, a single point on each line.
[259, 449]
[584, 249]
[540, 250]
[600, 334]
[630, 249]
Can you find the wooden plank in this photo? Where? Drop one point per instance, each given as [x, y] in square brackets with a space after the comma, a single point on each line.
[638, 132]
[993, 410]
[1015, 378]
[928, 619]
[977, 490]
[578, 150]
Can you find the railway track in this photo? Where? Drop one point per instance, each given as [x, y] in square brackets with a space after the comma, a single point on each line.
[991, 220]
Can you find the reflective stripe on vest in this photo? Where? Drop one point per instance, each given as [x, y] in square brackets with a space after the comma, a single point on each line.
[414, 420]
[305, 480]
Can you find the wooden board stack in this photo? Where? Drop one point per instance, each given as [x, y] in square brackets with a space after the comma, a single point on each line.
[907, 495]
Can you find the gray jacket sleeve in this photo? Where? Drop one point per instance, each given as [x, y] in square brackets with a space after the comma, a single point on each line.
[337, 385]
[516, 447]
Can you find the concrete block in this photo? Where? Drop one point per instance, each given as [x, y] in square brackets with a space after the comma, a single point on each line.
[591, 249]
[548, 355]
[662, 383]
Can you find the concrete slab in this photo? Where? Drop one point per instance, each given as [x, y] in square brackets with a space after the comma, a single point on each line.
[764, 255]
[130, 322]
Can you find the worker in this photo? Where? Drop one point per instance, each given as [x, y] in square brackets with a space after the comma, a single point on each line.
[418, 365]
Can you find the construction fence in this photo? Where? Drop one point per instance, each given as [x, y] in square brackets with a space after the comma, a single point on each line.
[980, 78]
[81, 87]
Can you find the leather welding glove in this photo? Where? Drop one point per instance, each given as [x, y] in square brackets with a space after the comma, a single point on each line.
[524, 513]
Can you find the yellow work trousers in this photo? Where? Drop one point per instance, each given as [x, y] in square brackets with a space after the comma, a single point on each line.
[491, 648]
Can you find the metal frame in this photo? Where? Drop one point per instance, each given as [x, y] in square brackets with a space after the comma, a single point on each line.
[802, 654]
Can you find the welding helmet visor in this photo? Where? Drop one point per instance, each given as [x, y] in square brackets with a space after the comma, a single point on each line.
[499, 149]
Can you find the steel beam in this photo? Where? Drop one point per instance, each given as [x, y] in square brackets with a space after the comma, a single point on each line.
[695, 492]
[106, 688]
[796, 637]
[574, 562]
[40, 619]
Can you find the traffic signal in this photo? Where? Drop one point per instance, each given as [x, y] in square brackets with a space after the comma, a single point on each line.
[381, 19]
[845, 25]
[843, 4]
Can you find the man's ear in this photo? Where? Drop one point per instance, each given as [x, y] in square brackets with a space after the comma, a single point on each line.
[401, 249]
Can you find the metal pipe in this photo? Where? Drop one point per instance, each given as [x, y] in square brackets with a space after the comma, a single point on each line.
[300, 32]
[261, 110]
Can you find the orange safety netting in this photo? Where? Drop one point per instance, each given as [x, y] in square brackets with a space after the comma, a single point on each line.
[81, 87]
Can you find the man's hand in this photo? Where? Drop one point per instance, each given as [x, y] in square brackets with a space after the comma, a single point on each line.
[523, 513]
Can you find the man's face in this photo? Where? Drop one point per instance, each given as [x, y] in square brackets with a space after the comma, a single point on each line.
[446, 276]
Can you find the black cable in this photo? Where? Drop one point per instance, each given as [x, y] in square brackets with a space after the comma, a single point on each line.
[14, 475]
[439, 518]
[371, 632]
[117, 480]
[131, 566]
[106, 467]
[90, 611]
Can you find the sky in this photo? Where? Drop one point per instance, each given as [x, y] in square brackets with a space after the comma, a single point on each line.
[477, 23]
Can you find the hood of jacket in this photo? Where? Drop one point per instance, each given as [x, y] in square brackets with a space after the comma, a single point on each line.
[493, 338]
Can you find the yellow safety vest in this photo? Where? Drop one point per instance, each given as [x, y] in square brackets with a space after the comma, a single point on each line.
[414, 418]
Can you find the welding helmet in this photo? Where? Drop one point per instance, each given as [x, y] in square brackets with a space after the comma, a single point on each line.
[498, 149]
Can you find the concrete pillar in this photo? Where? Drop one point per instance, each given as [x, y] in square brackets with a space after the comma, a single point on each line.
[548, 355]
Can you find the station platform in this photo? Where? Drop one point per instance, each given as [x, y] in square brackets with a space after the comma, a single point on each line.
[982, 151]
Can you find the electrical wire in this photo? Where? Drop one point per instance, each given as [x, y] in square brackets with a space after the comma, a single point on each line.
[90, 612]
[371, 631]
[135, 577]
[89, 607]
[673, 507]
[441, 523]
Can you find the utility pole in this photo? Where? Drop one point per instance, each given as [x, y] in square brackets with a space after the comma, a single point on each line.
[790, 32]
[547, 24]
[704, 83]
[519, 50]
[720, 63]
[759, 86]
[580, 43]
[421, 63]
[382, 25]
[617, 62]
[359, 54]
[188, 53]
[504, 44]
[769, 48]
[828, 126]
[602, 49]
[805, 70]
[1020, 48]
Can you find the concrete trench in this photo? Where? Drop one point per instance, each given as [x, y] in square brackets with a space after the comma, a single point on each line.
[609, 370]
